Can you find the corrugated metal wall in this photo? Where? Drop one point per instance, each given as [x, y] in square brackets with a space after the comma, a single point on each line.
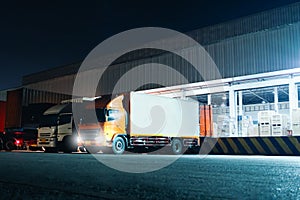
[265, 42]
[3, 95]
[265, 51]
[51, 73]
[31, 96]
[254, 23]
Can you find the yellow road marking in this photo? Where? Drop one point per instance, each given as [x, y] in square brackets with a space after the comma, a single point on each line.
[257, 146]
[295, 142]
[245, 145]
[223, 146]
[284, 146]
[270, 145]
[209, 142]
[233, 145]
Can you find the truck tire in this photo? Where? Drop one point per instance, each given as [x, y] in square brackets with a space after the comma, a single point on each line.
[118, 145]
[177, 146]
[82, 149]
[93, 149]
[69, 144]
[9, 145]
[50, 150]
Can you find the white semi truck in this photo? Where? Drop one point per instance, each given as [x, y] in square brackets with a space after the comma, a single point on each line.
[138, 120]
[57, 130]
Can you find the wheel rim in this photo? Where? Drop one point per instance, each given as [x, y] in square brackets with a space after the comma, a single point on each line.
[177, 147]
[119, 146]
[9, 145]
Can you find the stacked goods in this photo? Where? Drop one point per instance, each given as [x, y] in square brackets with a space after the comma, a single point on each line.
[215, 130]
[296, 122]
[247, 126]
[264, 122]
[223, 123]
[279, 124]
[254, 132]
[206, 121]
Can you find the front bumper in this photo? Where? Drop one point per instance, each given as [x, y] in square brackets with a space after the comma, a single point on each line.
[93, 143]
[47, 142]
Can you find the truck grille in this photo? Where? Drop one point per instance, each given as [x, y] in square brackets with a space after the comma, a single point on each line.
[45, 134]
[89, 134]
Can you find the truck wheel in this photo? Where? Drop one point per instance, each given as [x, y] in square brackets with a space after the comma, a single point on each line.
[69, 144]
[82, 149]
[9, 145]
[177, 146]
[118, 146]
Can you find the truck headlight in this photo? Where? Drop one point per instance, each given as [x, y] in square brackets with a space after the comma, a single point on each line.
[79, 140]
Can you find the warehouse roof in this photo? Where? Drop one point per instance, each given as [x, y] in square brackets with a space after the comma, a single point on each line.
[252, 24]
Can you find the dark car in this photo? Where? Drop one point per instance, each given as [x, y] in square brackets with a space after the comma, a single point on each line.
[18, 138]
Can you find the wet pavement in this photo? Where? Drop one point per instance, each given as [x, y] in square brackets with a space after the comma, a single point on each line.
[82, 176]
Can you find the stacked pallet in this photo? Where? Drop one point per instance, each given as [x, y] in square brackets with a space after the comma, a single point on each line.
[279, 124]
[248, 127]
[264, 122]
[223, 123]
[296, 122]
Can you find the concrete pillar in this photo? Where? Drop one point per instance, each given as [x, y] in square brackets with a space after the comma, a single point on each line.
[232, 112]
[209, 99]
[293, 94]
[276, 99]
[240, 115]
[240, 103]
[183, 94]
[293, 97]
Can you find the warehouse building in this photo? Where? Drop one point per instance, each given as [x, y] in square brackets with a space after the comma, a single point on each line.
[253, 52]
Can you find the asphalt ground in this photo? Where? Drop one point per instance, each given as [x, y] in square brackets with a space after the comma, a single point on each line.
[38, 175]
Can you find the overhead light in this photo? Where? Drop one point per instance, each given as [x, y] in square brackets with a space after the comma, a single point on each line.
[90, 98]
[224, 97]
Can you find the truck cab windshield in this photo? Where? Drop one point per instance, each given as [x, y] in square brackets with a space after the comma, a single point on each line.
[88, 115]
[49, 120]
[112, 114]
[65, 119]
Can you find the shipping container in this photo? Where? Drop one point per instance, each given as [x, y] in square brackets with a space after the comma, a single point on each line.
[14, 108]
[206, 120]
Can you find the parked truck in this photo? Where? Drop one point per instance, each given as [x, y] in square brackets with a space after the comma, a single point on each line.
[135, 120]
[57, 130]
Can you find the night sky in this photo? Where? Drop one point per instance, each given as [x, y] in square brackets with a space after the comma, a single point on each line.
[38, 35]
